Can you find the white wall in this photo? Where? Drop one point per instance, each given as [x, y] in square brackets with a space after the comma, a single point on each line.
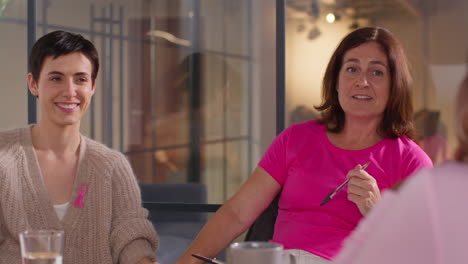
[306, 61]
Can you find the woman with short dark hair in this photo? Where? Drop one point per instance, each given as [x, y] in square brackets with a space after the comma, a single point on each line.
[54, 178]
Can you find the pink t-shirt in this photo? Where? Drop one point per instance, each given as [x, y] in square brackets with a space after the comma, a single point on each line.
[308, 167]
[425, 222]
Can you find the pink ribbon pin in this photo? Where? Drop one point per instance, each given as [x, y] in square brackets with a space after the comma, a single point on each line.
[82, 192]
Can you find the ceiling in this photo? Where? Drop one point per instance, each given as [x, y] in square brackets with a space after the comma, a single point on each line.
[356, 8]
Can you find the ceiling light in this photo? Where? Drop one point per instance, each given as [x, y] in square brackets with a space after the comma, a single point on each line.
[330, 18]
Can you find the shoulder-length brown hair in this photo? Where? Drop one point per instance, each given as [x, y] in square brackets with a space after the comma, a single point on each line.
[461, 152]
[398, 115]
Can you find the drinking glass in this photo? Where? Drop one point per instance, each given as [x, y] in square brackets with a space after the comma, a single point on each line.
[252, 252]
[42, 247]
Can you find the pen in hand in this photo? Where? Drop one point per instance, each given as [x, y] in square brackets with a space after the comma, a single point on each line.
[334, 192]
[209, 260]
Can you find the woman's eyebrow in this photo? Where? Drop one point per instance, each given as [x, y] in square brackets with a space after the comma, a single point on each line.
[378, 62]
[81, 74]
[55, 72]
[351, 60]
[371, 62]
[75, 74]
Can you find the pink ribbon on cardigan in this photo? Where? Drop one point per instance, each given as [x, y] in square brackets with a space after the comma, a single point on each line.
[82, 192]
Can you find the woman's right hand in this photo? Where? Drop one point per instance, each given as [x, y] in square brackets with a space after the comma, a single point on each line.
[362, 189]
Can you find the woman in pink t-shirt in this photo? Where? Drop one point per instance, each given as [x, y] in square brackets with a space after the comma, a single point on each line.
[425, 222]
[366, 116]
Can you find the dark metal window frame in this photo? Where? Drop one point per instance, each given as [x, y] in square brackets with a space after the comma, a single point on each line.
[280, 93]
[32, 34]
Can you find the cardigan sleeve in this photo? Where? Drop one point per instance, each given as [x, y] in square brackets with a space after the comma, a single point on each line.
[2, 201]
[132, 235]
[2, 220]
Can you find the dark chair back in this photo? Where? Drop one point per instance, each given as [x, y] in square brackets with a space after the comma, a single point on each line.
[262, 229]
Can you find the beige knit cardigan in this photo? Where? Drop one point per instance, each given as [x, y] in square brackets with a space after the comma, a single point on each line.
[111, 227]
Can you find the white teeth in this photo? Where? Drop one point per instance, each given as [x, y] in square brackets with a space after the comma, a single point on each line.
[362, 97]
[68, 106]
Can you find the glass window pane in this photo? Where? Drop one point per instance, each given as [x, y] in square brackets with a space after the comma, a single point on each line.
[13, 69]
[180, 86]
[214, 172]
[237, 165]
[211, 13]
[238, 92]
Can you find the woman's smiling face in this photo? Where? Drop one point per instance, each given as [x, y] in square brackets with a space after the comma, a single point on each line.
[64, 87]
[364, 81]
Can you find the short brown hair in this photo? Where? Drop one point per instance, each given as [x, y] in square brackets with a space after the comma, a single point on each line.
[59, 43]
[398, 115]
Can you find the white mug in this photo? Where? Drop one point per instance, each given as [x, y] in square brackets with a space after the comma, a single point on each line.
[252, 252]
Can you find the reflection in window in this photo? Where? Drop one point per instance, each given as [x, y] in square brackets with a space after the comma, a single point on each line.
[188, 106]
